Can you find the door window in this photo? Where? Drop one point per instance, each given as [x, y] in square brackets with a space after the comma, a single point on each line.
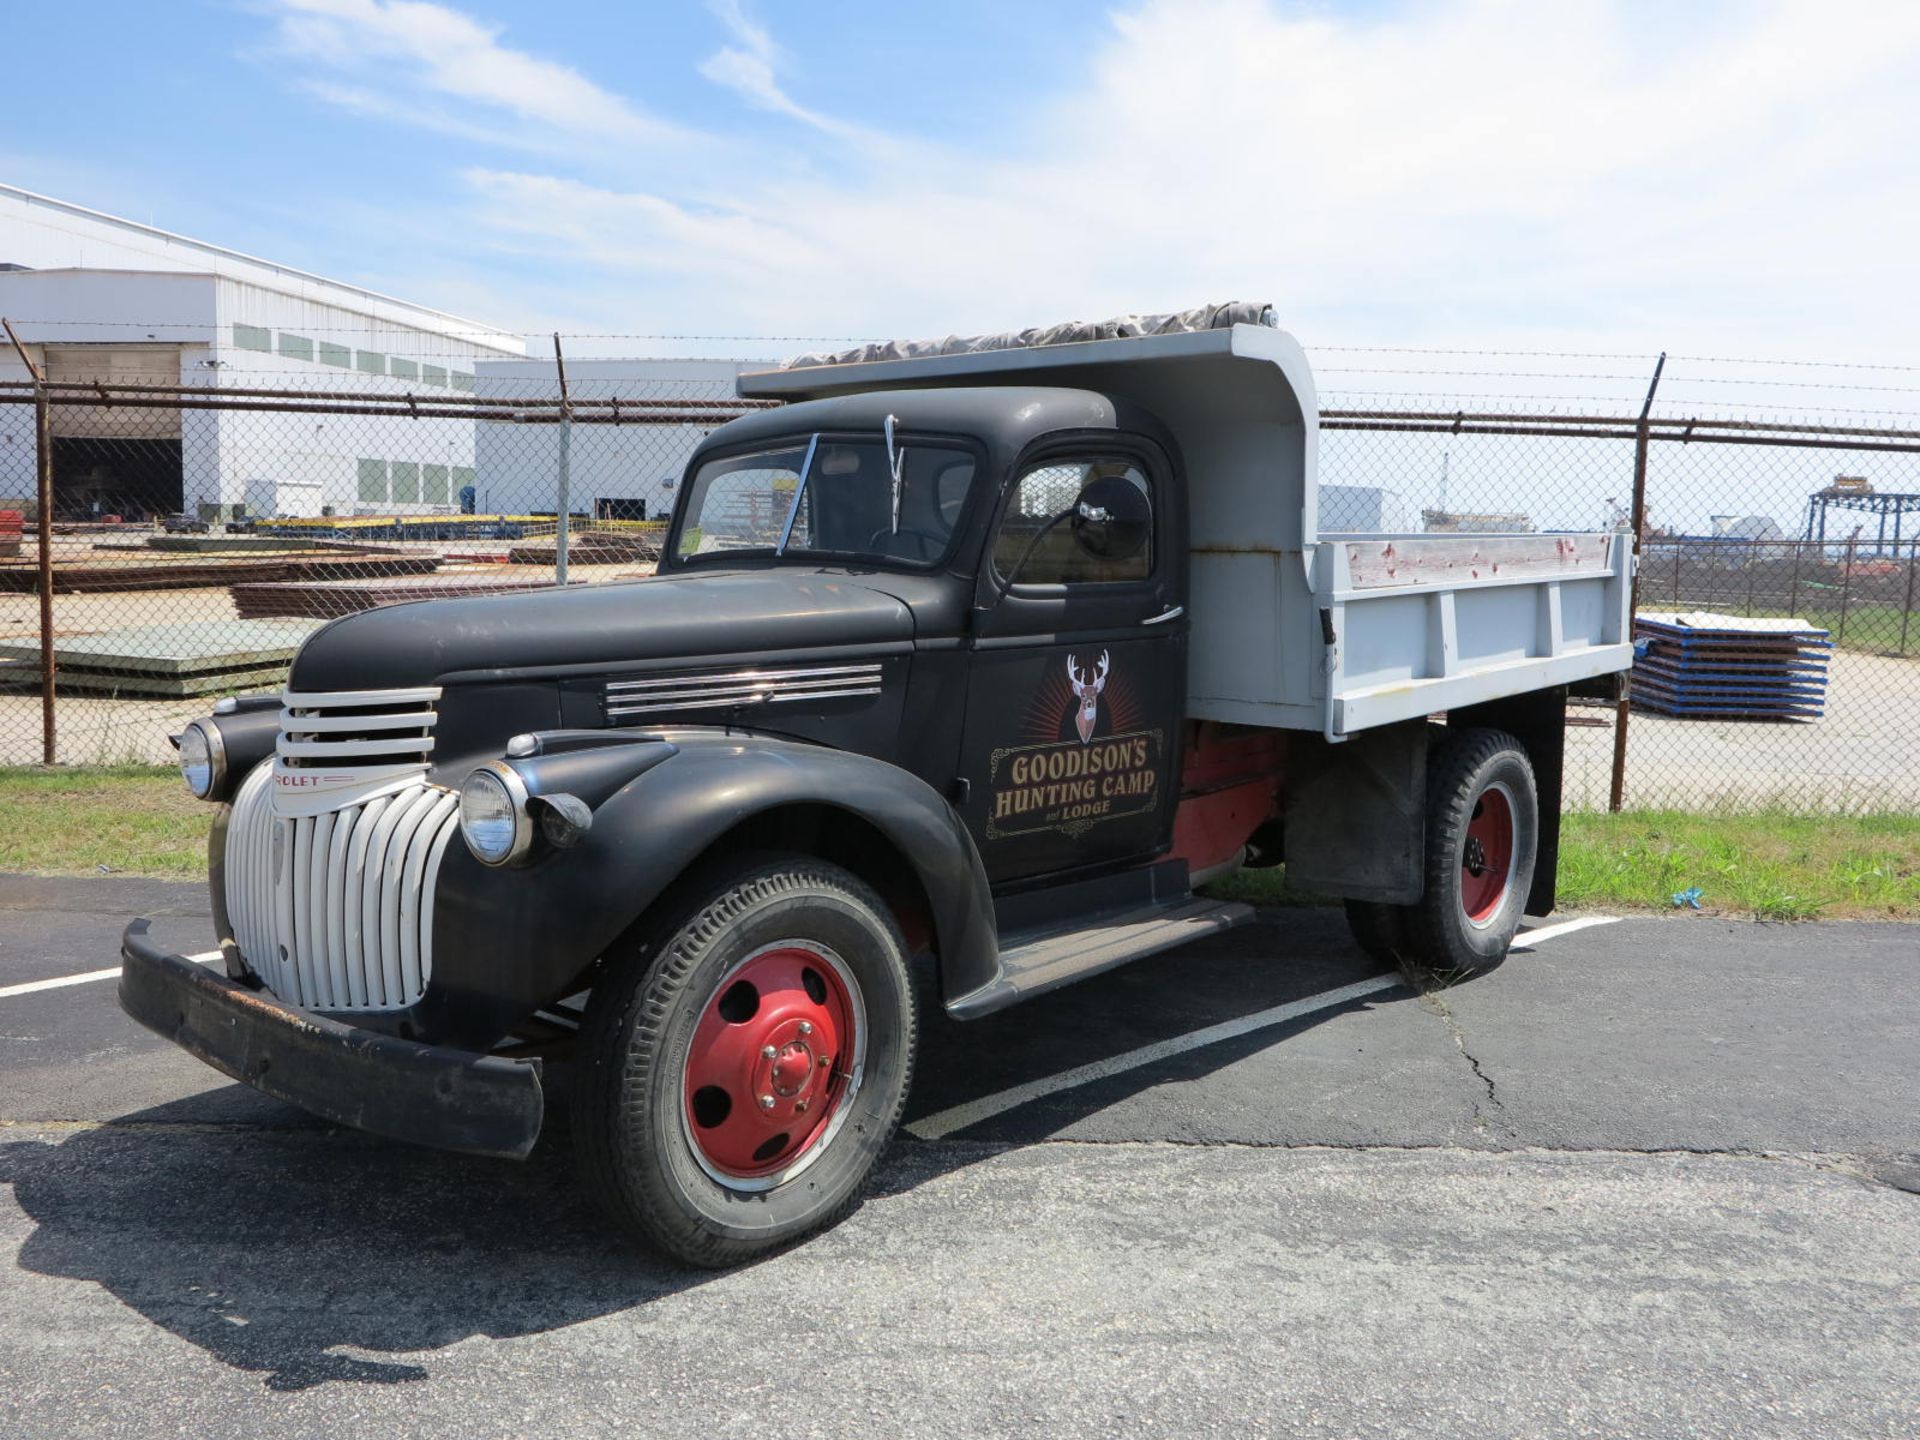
[1044, 539]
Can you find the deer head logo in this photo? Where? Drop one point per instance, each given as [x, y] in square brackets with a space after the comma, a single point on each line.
[1087, 692]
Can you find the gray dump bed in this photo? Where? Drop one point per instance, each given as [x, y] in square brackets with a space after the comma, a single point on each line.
[1293, 628]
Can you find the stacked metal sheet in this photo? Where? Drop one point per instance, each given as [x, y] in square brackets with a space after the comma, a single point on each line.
[1699, 665]
[273, 599]
[169, 661]
[130, 575]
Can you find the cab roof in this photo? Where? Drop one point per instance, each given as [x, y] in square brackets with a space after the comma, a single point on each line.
[1006, 417]
[1238, 400]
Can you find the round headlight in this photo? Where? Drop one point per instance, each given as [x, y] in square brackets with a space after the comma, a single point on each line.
[493, 815]
[203, 759]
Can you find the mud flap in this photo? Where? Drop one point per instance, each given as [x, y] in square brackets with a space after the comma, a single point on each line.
[1356, 815]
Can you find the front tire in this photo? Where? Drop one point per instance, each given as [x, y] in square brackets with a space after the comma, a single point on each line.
[744, 1067]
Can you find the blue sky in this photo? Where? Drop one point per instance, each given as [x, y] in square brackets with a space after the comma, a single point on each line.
[1610, 175]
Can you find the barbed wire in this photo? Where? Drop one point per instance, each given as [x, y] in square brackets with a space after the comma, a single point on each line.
[544, 338]
[1611, 355]
[1665, 384]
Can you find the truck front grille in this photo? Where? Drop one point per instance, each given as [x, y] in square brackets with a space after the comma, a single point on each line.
[334, 911]
[357, 728]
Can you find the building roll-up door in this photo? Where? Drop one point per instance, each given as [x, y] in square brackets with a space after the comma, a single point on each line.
[115, 365]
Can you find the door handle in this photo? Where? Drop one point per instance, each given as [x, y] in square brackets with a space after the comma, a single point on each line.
[1172, 612]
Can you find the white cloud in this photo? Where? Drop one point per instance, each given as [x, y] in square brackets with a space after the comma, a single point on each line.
[748, 68]
[1596, 172]
[414, 46]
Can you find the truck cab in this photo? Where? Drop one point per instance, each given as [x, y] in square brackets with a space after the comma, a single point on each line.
[970, 665]
[1024, 584]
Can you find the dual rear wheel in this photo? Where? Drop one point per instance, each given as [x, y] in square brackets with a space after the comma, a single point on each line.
[1483, 834]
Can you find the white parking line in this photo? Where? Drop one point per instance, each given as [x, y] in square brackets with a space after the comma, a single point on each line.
[29, 987]
[1527, 939]
[946, 1122]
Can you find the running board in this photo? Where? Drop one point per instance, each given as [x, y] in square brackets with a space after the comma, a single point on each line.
[1046, 962]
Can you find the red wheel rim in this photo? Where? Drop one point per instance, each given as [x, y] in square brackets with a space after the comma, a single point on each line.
[774, 1059]
[1486, 855]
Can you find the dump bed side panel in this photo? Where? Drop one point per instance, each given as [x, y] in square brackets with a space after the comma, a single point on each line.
[1414, 625]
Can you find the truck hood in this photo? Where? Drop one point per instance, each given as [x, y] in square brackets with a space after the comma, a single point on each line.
[690, 616]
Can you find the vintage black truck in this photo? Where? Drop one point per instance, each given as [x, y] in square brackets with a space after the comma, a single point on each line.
[975, 661]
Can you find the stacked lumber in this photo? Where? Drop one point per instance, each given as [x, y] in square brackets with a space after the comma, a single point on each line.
[1699, 665]
[293, 599]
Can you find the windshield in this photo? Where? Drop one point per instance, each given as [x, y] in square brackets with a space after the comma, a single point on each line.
[840, 503]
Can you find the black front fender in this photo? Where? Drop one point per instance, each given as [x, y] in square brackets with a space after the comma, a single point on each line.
[507, 941]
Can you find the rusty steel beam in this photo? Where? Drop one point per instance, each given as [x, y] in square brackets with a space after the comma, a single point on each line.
[1512, 427]
[1629, 430]
[1657, 425]
[96, 388]
[402, 411]
[185, 393]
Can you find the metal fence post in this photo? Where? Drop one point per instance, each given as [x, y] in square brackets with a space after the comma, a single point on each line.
[1617, 791]
[43, 465]
[564, 505]
[1846, 588]
[1906, 608]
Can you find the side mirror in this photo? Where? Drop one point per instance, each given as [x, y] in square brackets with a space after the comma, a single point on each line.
[1112, 519]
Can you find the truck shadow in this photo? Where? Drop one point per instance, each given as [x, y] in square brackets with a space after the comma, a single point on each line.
[279, 1251]
[308, 1255]
[1285, 957]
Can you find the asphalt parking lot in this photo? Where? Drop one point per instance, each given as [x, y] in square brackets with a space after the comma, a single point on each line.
[1652, 1177]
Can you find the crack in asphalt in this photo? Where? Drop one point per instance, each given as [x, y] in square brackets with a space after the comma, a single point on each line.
[1899, 1172]
[1431, 1001]
[1891, 1172]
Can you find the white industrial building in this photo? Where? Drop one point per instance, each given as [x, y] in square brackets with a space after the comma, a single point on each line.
[615, 472]
[95, 297]
[1365, 509]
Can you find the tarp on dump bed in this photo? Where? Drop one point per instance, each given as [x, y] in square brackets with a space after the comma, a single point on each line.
[1073, 332]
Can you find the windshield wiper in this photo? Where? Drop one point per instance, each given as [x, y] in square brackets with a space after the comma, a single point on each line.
[896, 460]
[799, 494]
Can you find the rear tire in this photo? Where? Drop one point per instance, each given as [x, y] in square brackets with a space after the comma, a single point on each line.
[1483, 830]
[744, 1066]
[1382, 931]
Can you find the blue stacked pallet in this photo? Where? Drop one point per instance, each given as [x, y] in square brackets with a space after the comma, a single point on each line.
[1727, 667]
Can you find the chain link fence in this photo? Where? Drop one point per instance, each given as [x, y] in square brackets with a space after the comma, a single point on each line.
[1777, 592]
[198, 533]
[196, 536]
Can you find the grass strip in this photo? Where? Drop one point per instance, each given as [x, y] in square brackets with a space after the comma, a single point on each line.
[1769, 865]
[102, 819]
[1764, 865]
